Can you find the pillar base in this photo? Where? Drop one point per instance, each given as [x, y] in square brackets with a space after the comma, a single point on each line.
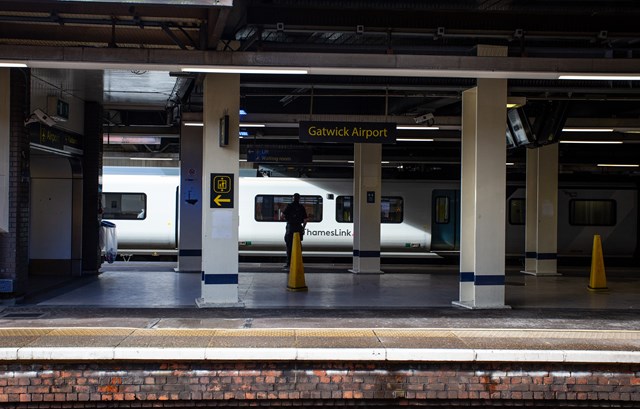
[354, 271]
[469, 305]
[178, 270]
[541, 274]
[201, 303]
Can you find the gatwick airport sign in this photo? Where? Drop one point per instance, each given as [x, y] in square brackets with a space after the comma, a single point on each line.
[347, 132]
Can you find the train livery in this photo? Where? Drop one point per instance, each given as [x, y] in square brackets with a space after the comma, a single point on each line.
[418, 218]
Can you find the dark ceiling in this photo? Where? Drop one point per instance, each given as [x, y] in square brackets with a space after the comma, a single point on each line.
[528, 28]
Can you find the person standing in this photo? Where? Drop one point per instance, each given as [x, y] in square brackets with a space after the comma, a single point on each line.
[296, 217]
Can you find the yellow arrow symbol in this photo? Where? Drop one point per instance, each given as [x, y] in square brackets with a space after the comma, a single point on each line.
[218, 200]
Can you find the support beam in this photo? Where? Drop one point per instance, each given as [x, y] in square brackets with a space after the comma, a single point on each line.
[220, 177]
[367, 190]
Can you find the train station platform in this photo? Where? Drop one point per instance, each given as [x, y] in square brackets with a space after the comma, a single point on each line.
[133, 336]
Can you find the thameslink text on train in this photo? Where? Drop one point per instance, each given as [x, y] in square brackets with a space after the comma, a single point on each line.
[348, 132]
[333, 233]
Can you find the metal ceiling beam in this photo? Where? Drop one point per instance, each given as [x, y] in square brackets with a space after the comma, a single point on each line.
[316, 63]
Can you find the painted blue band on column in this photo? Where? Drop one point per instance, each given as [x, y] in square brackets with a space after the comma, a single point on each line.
[364, 253]
[547, 256]
[530, 254]
[219, 278]
[466, 277]
[190, 252]
[488, 280]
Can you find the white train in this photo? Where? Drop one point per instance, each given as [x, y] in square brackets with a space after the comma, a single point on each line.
[419, 218]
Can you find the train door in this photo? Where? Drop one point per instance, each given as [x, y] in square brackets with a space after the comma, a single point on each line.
[445, 220]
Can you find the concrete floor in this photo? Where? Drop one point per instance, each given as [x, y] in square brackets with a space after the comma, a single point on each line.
[263, 286]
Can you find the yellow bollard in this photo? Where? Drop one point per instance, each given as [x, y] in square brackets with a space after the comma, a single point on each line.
[296, 268]
[597, 280]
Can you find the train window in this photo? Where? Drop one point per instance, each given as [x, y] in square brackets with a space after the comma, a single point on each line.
[592, 212]
[442, 210]
[517, 211]
[124, 206]
[344, 209]
[270, 208]
[391, 209]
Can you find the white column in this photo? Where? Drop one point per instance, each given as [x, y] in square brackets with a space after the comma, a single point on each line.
[531, 221]
[191, 198]
[367, 182]
[220, 225]
[5, 130]
[487, 189]
[467, 197]
[547, 212]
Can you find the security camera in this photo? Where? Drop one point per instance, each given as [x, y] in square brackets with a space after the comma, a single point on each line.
[39, 116]
[428, 118]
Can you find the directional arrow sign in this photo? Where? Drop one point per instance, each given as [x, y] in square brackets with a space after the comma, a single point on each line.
[219, 200]
[222, 190]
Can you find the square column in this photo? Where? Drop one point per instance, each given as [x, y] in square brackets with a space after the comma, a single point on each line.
[367, 189]
[191, 198]
[220, 219]
[483, 196]
[5, 133]
[542, 216]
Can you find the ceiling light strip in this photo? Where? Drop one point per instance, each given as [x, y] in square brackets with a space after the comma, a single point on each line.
[600, 77]
[617, 165]
[595, 142]
[587, 130]
[417, 127]
[414, 139]
[245, 70]
[12, 65]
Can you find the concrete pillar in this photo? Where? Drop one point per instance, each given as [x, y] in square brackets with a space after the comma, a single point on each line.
[467, 197]
[484, 151]
[542, 218]
[191, 198]
[91, 190]
[5, 133]
[367, 190]
[220, 222]
[14, 244]
[531, 217]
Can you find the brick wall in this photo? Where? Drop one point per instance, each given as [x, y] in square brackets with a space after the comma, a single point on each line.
[319, 384]
[14, 245]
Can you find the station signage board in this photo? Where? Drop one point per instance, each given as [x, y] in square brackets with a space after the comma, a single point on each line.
[347, 132]
[279, 155]
[221, 191]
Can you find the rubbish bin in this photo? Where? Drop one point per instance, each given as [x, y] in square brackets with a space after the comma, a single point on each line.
[108, 241]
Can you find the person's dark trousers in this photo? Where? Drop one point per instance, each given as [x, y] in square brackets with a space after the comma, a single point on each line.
[288, 239]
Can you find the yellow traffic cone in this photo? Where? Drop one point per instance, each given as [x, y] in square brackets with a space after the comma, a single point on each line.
[597, 280]
[296, 268]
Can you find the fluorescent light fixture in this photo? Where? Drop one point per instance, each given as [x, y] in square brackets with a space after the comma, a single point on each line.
[414, 139]
[384, 162]
[12, 65]
[151, 159]
[417, 127]
[510, 163]
[617, 165]
[603, 77]
[245, 70]
[251, 125]
[193, 124]
[595, 142]
[130, 140]
[242, 160]
[587, 130]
